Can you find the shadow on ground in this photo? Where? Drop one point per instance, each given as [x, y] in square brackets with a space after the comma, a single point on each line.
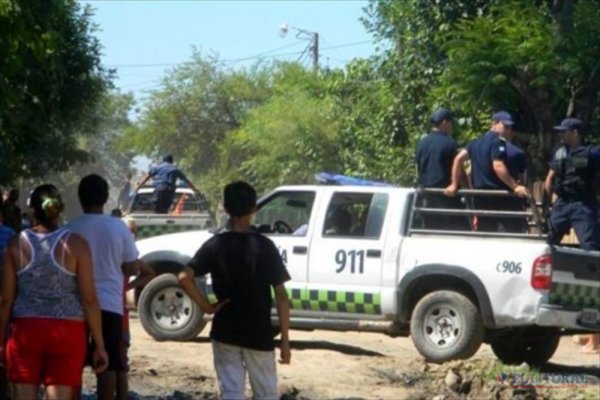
[572, 369]
[317, 345]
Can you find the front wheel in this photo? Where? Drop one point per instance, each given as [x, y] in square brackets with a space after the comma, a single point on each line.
[533, 346]
[167, 313]
[446, 325]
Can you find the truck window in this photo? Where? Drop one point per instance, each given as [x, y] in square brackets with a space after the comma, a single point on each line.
[355, 215]
[285, 213]
[142, 202]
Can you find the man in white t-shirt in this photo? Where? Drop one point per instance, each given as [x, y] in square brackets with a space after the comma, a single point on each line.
[113, 254]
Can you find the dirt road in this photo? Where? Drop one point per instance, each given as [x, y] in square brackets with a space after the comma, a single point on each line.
[343, 365]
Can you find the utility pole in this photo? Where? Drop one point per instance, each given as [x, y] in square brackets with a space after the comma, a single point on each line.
[313, 45]
[315, 51]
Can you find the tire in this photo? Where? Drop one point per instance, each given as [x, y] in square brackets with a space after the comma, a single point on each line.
[167, 313]
[446, 325]
[533, 346]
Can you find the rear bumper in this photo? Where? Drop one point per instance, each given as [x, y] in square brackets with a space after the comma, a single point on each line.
[562, 317]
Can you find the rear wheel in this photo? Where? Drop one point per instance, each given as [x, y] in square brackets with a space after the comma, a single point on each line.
[446, 325]
[534, 346]
[167, 313]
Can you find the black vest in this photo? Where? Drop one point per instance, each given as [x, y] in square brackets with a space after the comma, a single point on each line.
[575, 177]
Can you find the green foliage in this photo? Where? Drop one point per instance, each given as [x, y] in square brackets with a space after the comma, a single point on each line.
[189, 115]
[538, 60]
[285, 141]
[111, 117]
[50, 80]
[366, 108]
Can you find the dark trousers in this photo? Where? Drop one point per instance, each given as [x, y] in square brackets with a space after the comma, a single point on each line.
[500, 224]
[582, 216]
[163, 201]
[440, 221]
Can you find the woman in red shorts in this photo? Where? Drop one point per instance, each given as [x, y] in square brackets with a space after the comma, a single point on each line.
[48, 292]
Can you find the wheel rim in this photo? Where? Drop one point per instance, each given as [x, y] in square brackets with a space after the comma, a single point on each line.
[171, 308]
[443, 325]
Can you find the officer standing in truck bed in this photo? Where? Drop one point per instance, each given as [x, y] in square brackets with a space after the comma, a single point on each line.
[573, 177]
[434, 155]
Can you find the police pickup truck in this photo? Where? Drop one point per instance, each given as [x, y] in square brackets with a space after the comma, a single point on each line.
[189, 211]
[361, 260]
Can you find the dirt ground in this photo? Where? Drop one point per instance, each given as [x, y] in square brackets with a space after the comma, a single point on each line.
[348, 365]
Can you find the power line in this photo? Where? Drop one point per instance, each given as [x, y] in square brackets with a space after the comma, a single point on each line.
[347, 45]
[237, 60]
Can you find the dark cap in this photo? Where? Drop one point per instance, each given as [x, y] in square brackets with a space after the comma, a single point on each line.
[168, 158]
[570, 124]
[504, 117]
[441, 114]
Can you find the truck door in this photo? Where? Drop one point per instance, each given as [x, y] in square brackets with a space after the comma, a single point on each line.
[286, 218]
[346, 255]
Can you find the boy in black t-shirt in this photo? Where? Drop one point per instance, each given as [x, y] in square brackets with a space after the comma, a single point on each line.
[244, 266]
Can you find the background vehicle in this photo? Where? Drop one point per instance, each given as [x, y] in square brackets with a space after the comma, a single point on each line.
[189, 212]
[359, 260]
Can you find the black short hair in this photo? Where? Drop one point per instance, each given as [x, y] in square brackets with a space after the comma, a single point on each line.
[239, 199]
[46, 203]
[168, 158]
[92, 191]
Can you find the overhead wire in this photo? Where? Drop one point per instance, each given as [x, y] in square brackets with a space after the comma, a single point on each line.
[237, 60]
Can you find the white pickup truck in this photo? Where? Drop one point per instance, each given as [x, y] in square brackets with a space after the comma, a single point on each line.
[359, 261]
[189, 211]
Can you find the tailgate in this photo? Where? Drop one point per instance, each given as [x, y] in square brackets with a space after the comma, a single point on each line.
[149, 225]
[576, 282]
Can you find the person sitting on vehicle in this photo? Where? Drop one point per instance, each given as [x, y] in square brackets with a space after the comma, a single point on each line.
[338, 222]
[488, 171]
[165, 176]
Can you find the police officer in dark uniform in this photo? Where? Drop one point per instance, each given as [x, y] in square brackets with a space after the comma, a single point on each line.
[489, 170]
[165, 176]
[434, 155]
[573, 178]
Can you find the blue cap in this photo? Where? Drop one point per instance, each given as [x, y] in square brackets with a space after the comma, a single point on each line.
[504, 117]
[441, 114]
[570, 124]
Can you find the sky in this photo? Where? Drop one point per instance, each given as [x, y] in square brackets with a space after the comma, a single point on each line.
[144, 39]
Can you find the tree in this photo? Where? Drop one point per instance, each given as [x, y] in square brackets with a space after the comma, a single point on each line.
[195, 106]
[521, 59]
[537, 59]
[290, 137]
[51, 78]
[371, 140]
[111, 117]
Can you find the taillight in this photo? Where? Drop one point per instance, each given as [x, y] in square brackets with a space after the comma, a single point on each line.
[541, 273]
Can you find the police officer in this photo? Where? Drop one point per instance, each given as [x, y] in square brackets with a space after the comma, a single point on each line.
[434, 155]
[489, 170]
[573, 178]
[165, 176]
